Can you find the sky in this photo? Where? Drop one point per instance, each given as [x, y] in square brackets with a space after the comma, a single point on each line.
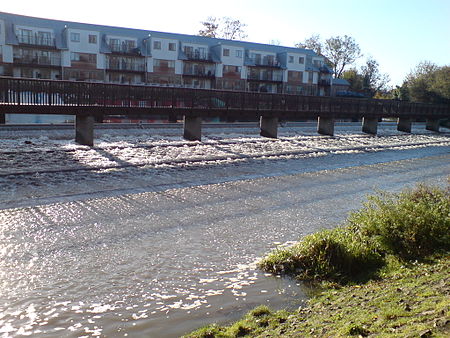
[397, 33]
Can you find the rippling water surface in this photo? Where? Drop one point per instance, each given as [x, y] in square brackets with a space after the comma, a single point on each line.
[145, 258]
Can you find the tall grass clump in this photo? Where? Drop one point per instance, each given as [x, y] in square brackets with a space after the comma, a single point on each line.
[409, 225]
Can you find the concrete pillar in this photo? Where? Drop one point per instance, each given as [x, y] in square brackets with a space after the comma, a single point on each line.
[269, 126]
[433, 125]
[404, 124]
[192, 128]
[84, 130]
[2, 118]
[325, 125]
[370, 125]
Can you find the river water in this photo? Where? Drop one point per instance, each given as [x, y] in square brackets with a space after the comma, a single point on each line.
[150, 235]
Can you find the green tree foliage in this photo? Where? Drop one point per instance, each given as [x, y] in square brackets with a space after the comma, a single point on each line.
[368, 79]
[223, 28]
[428, 83]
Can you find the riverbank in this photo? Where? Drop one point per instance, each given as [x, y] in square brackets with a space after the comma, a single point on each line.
[412, 301]
[385, 272]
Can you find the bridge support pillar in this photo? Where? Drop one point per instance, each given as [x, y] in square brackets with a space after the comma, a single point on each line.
[404, 124]
[325, 126]
[432, 124]
[268, 126]
[192, 128]
[370, 125]
[84, 130]
[2, 118]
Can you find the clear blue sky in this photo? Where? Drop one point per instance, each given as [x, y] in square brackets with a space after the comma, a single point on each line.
[397, 33]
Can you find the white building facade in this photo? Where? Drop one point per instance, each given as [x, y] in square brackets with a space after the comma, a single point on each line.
[59, 50]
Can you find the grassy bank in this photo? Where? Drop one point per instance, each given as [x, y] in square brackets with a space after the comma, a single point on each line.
[386, 272]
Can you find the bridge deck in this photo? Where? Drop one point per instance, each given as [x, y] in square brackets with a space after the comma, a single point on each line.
[18, 95]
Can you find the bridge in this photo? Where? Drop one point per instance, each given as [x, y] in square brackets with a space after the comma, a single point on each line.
[89, 101]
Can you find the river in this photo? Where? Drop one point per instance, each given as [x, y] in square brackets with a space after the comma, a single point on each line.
[149, 235]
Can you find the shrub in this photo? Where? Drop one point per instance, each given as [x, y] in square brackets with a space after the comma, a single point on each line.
[411, 224]
[341, 254]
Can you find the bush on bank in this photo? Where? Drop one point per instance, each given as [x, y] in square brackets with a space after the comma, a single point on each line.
[408, 225]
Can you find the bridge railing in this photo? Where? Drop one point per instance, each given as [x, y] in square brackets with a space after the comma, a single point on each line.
[36, 92]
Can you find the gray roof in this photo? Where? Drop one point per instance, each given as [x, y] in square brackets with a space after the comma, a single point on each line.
[341, 82]
[59, 26]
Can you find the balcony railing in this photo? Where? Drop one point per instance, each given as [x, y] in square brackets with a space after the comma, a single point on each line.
[126, 66]
[208, 73]
[265, 77]
[266, 62]
[36, 40]
[199, 56]
[38, 60]
[123, 48]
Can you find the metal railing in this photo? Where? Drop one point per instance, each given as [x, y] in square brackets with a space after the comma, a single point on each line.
[38, 60]
[126, 66]
[19, 95]
[198, 56]
[36, 40]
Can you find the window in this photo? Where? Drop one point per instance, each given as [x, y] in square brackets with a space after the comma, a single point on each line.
[25, 36]
[75, 37]
[172, 46]
[156, 44]
[291, 59]
[74, 56]
[44, 38]
[226, 52]
[310, 77]
[92, 38]
[301, 60]
[239, 53]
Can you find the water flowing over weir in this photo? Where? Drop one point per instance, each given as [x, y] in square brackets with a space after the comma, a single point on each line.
[157, 239]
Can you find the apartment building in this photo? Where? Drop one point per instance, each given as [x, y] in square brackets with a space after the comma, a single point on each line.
[51, 49]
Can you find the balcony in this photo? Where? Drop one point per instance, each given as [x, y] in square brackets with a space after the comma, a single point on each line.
[265, 77]
[266, 62]
[37, 40]
[124, 48]
[126, 66]
[38, 60]
[198, 56]
[203, 73]
[324, 83]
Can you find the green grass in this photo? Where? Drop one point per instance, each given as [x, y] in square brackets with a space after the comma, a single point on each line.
[407, 302]
[408, 225]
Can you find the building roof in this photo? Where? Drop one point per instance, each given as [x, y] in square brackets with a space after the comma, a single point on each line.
[341, 82]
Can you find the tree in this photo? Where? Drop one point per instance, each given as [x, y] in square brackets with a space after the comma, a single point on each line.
[223, 28]
[339, 52]
[373, 80]
[429, 83]
[312, 43]
[342, 52]
[368, 79]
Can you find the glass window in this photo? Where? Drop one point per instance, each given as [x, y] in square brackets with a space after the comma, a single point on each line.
[239, 53]
[172, 46]
[301, 60]
[156, 44]
[92, 38]
[291, 59]
[226, 52]
[75, 37]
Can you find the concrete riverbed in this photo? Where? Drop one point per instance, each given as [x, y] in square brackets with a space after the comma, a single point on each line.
[150, 235]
